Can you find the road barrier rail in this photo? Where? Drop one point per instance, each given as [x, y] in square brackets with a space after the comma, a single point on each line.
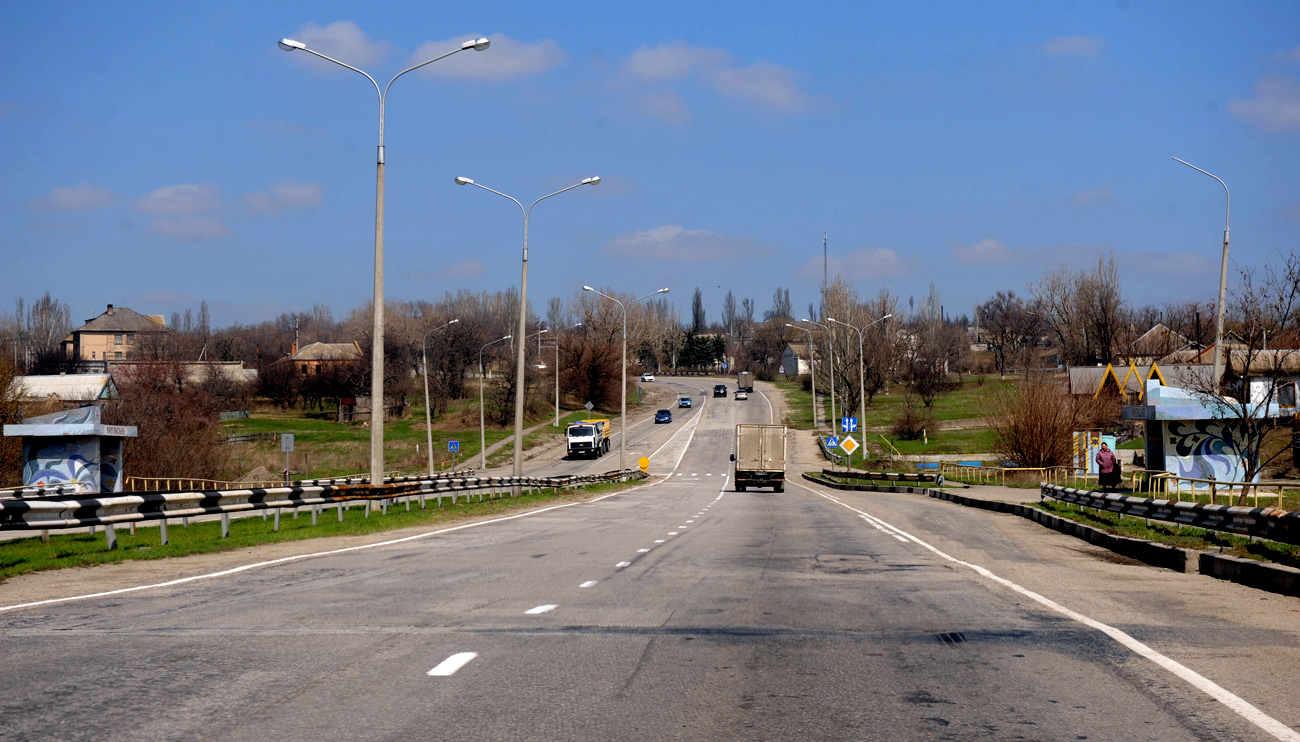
[41, 490]
[44, 513]
[891, 476]
[1268, 523]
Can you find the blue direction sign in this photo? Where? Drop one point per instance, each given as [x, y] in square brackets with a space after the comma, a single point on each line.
[832, 441]
[849, 424]
[453, 446]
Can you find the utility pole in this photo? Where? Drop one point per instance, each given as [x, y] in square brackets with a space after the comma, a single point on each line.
[825, 268]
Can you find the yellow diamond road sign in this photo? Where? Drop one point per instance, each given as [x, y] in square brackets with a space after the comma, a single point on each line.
[848, 444]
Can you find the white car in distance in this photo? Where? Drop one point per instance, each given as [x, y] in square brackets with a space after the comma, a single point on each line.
[647, 377]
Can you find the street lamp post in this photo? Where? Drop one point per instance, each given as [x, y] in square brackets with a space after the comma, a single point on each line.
[862, 376]
[831, 345]
[523, 309]
[428, 417]
[622, 413]
[377, 350]
[1223, 276]
[482, 429]
[812, 369]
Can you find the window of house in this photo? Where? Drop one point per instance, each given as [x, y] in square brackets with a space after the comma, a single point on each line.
[130, 356]
[117, 340]
[304, 368]
[130, 338]
[117, 356]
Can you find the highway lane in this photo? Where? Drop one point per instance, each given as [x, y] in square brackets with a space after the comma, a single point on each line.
[678, 610]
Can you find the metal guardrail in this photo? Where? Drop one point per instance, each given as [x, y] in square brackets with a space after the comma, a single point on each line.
[890, 476]
[838, 458]
[41, 490]
[1268, 523]
[122, 508]
[1174, 487]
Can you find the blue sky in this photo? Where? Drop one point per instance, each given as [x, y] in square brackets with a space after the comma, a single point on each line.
[159, 154]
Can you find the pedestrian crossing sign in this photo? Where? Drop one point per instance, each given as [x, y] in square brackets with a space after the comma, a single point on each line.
[849, 445]
[832, 441]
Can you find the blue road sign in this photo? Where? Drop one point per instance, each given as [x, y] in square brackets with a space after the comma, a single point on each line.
[849, 425]
[453, 446]
[832, 442]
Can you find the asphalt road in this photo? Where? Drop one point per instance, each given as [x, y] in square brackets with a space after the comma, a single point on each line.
[676, 610]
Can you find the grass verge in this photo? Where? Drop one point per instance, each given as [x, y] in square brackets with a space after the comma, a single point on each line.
[21, 556]
[1180, 536]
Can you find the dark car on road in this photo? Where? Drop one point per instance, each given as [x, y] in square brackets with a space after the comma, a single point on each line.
[663, 416]
[720, 390]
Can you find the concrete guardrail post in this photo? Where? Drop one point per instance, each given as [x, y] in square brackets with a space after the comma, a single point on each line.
[162, 531]
[110, 536]
[225, 525]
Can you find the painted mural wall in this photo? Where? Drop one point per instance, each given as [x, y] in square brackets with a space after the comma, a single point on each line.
[1204, 449]
[61, 460]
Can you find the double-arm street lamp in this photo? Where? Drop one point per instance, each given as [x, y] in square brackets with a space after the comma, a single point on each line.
[482, 429]
[622, 410]
[1223, 276]
[812, 369]
[428, 417]
[862, 376]
[523, 309]
[831, 346]
[377, 351]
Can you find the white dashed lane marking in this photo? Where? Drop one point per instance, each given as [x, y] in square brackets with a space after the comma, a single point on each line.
[659, 541]
[541, 609]
[453, 663]
[621, 565]
[642, 551]
[588, 583]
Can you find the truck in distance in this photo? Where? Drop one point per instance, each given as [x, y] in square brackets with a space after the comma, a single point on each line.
[588, 438]
[745, 381]
[759, 457]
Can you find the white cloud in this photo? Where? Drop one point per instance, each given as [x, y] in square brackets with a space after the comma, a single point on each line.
[1086, 47]
[672, 60]
[285, 195]
[189, 228]
[74, 198]
[762, 83]
[342, 40]
[1291, 55]
[673, 242]
[862, 264]
[180, 200]
[665, 105]
[1095, 196]
[505, 59]
[1276, 105]
[985, 252]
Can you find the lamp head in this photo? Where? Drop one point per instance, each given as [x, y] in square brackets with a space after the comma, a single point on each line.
[578, 325]
[662, 291]
[587, 288]
[887, 316]
[454, 321]
[289, 45]
[593, 180]
[507, 337]
[462, 180]
[805, 320]
[477, 45]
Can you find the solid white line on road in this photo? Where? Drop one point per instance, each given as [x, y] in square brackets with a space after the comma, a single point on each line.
[541, 609]
[621, 565]
[1200, 682]
[453, 663]
[588, 583]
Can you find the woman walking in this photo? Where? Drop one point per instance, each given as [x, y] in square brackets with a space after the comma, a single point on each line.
[1107, 468]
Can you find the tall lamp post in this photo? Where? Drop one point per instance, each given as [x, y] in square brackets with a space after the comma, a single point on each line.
[428, 417]
[482, 429]
[1223, 276]
[831, 345]
[812, 369]
[862, 376]
[622, 410]
[523, 308]
[377, 351]
[557, 373]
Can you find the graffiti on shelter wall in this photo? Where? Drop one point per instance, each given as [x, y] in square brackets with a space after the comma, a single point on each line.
[1204, 449]
[58, 461]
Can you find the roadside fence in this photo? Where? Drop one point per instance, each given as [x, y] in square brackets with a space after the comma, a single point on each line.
[113, 509]
[1268, 523]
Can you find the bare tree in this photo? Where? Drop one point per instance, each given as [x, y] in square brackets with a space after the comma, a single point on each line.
[1009, 328]
[698, 323]
[1083, 310]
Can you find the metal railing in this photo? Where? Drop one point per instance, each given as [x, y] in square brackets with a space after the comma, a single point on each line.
[54, 512]
[1173, 486]
[1270, 523]
[998, 474]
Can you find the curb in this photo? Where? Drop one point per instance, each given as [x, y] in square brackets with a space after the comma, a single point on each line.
[1273, 578]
